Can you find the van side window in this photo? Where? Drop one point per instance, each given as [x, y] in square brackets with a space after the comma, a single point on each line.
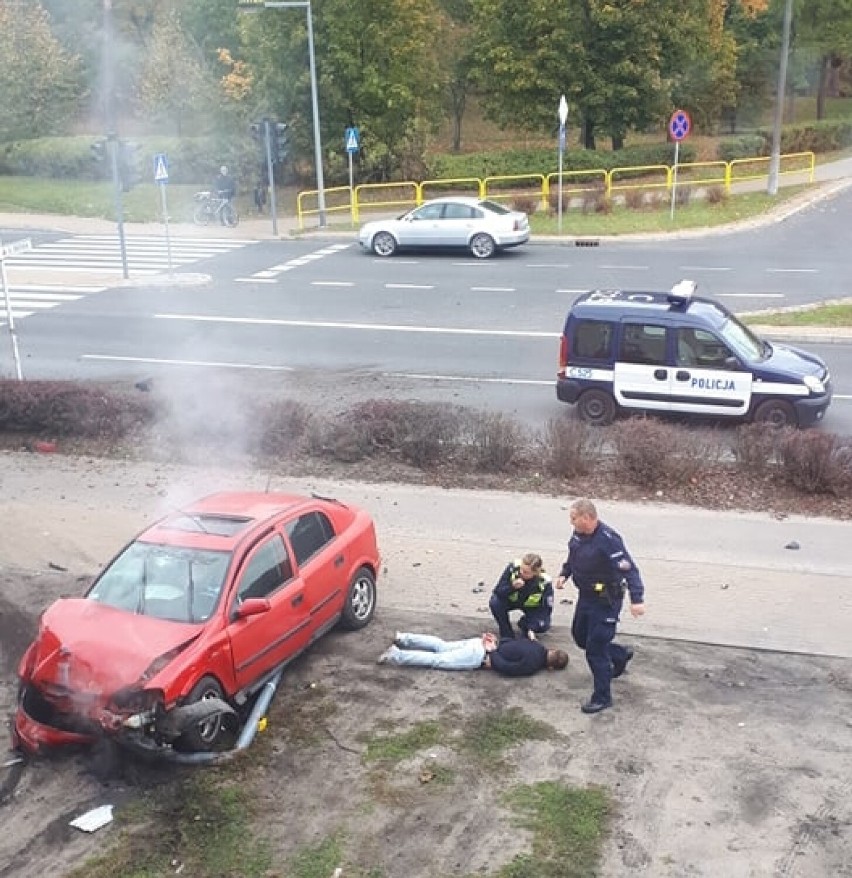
[711, 352]
[643, 343]
[593, 340]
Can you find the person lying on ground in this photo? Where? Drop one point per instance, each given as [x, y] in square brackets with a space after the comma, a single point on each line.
[520, 657]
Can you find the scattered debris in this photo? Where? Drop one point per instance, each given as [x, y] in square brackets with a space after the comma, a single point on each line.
[792, 545]
[93, 820]
[44, 447]
[724, 585]
[480, 586]
[54, 566]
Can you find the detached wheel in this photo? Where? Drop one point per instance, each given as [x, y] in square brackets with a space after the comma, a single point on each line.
[776, 413]
[384, 244]
[596, 407]
[230, 217]
[482, 246]
[360, 600]
[210, 735]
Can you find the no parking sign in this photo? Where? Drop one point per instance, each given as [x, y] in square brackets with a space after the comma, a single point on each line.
[679, 125]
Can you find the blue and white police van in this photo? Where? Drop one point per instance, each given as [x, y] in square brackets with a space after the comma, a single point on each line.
[675, 352]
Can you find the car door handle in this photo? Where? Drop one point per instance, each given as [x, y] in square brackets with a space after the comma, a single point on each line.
[297, 600]
[661, 374]
[681, 375]
[338, 561]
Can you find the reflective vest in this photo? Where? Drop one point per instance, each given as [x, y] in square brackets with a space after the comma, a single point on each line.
[532, 591]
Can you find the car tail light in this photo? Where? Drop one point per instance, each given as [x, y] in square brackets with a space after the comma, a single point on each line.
[563, 354]
[516, 226]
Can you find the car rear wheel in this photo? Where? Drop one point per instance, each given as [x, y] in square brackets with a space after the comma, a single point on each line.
[384, 244]
[211, 734]
[596, 407]
[482, 246]
[360, 600]
[776, 413]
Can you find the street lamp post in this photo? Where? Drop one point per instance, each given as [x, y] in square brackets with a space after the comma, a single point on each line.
[563, 118]
[775, 158]
[306, 5]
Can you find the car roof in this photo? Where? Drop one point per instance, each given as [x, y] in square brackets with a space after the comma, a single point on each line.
[221, 521]
[457, 199]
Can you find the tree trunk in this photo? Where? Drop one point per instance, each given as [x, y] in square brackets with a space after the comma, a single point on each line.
[588, 133]
[617, 142]
[824, 73]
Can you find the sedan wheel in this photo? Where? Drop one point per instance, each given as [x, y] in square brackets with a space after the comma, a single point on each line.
[482, 246]
[384, 244]
[360, 600]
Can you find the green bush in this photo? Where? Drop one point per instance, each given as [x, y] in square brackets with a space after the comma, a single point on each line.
[745, 147]
[829, 135]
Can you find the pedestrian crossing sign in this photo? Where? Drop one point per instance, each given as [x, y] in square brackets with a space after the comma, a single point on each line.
[161, 168]
[352, 138]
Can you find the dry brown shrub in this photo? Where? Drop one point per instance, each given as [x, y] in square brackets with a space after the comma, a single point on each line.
[282, 426]
[815, 463]
[568, 447]
[527, 204]
[716, 195]
[634, 199]
[755, 447]
[495, 443]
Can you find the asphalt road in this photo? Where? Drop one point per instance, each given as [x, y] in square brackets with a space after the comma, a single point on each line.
[436, 326]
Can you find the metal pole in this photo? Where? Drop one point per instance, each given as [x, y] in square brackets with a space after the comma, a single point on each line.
[775, 158]
[561, 135]
[163, 201]
[267, 144]
[11, 321]
[315, 107]
[674, 178]
[351, 189]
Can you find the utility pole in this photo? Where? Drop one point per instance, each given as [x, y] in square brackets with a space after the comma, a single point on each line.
[775, 157]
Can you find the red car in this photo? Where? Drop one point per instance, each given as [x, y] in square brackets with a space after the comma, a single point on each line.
[192, 618]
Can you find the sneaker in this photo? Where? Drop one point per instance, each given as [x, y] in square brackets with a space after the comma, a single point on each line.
[595, 706]
[385, 657]
[618, 668]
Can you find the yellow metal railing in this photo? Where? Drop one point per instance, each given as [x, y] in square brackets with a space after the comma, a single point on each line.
[409, 193]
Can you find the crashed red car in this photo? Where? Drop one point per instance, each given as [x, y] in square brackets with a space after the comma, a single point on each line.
[192, 618]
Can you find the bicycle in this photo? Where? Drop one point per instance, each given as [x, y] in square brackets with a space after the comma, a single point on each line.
[210, 207]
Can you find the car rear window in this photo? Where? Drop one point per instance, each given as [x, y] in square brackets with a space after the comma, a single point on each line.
[220, 525]
[593, 340]
[495, 207]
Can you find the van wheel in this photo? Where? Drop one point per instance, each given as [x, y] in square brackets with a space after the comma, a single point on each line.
[596, 407]
[776, 413]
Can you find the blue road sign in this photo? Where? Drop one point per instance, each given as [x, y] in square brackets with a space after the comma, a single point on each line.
[161, 168]
[352, 140]
[679, 125]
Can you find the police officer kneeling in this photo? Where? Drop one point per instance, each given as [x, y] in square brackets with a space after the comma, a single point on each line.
[600, 566]
[523, 586]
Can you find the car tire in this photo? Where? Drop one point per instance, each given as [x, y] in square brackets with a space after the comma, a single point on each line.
[482, 246]
[211, 735]
[360, 600]
[776, 413]
[384, 244]
[596, 407]
[230, 217]
[201, 215]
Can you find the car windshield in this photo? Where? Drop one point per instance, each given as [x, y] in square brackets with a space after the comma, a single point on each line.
[166, 582]
[742, 341]
[495, 207]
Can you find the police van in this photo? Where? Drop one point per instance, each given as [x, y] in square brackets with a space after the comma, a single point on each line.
[675, 352]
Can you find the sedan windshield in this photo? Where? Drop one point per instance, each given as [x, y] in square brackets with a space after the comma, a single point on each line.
[166, 582]
[742, 341]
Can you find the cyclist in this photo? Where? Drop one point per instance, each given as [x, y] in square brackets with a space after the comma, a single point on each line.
[224, 185]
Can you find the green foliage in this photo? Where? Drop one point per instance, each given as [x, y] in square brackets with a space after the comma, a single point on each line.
[568, 825]
[488, 736]
[829, 135]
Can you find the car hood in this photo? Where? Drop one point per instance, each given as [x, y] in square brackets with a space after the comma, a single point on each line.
[795, 362]
[84, 646]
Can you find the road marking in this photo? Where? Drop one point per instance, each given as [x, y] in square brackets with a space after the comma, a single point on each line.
[548, 265]
[255, 280]
[369, 327]
[493, 289]
[629, 267]
[385, 261]
[473, 378]
[25, 296]
[156, 361]
[266, 274]
[572, 292]
[751, 295]
[49, 288]
[409, 287]
[332, 283]
[703, 268]
[793, 270]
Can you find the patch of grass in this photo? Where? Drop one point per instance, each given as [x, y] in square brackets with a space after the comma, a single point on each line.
[300, 718]
[397, 747]
[200, 823]
[487, 737]
[568, 824]
[836, 314]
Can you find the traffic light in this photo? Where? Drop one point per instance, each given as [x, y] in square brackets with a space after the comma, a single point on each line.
[128, 164]
[281, 142]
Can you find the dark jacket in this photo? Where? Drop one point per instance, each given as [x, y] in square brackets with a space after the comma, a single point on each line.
[224, 186]
[518, 658]
[534, 596]
[601, 559]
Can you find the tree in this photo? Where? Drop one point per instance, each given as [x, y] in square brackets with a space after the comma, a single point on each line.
[40, 84]
[825, 28]
[456, 58]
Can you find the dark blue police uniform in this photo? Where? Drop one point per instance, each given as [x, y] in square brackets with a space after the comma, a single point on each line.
[534, 599]
[600, 566]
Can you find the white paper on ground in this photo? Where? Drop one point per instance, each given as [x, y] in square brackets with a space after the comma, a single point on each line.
[94, 819]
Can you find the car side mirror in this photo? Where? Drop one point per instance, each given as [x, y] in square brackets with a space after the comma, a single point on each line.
[252, 607]
[732, 363]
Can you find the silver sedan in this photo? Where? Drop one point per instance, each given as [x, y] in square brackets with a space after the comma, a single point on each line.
[480, 225]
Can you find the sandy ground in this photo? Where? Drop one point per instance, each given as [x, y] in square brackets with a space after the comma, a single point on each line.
[722, 761]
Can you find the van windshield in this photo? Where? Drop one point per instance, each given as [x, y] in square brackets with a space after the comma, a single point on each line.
[742, 341]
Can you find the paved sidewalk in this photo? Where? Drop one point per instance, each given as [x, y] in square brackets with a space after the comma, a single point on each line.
[714, 577]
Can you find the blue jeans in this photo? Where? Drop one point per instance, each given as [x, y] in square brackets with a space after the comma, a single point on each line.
[593, 629]
[427, 651]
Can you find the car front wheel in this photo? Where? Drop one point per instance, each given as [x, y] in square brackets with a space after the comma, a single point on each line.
[208, 735]
[360, 600]
[482, 246]
[384, 244]
[596, 407]
[776, 413]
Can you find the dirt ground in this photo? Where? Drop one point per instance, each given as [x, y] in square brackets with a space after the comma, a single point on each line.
[721, 761]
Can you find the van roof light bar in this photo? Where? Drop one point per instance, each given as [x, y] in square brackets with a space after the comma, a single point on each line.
[681, 293]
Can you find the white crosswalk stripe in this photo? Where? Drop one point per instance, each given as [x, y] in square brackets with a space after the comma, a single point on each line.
[146, 255]
[27, 299]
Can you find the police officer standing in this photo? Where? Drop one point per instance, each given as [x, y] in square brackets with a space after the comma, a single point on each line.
[523, 586]
[600, 566]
